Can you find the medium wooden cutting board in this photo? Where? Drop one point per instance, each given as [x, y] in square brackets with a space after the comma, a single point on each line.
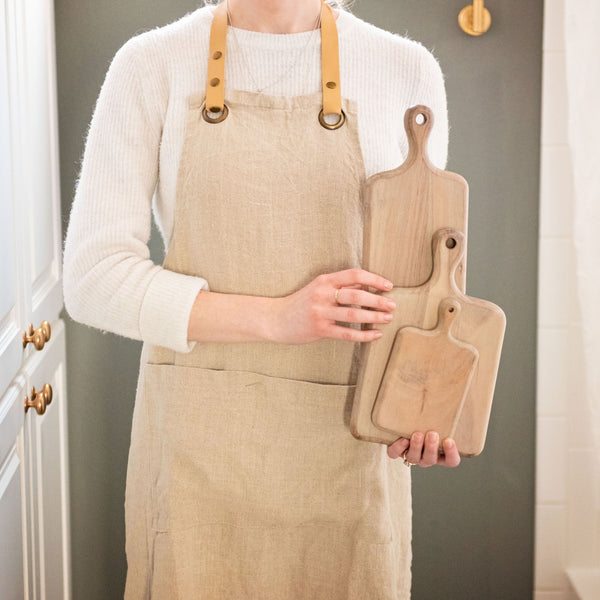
[406, 206]
[480, 324]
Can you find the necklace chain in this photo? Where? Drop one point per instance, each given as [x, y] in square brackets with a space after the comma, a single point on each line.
[286, 72]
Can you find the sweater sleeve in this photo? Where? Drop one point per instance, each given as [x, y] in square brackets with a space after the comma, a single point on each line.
[432, 93]
[109, 280]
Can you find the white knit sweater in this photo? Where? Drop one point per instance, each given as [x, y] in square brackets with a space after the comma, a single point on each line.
[135, 140]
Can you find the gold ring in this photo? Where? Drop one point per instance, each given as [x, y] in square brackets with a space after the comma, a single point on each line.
[336, 296]
[407, 462]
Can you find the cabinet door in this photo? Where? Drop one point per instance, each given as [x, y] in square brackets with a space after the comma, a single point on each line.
[34, 518]
[41, 165]
[13, 557]
[46, 448]
[11, 294]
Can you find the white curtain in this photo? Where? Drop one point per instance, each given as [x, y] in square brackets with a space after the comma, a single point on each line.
[582, 44]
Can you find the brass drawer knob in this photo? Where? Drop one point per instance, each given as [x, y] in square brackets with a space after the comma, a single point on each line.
[37, 337]
[39, 400]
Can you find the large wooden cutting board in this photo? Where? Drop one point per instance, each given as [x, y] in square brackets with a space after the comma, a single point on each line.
[406, 206]
[480, 324]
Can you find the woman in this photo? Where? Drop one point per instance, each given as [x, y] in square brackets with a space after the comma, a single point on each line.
[243, 478]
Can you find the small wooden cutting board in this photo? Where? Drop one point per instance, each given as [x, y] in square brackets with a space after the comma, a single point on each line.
[426, 379]
[404, 207]
[480, 324]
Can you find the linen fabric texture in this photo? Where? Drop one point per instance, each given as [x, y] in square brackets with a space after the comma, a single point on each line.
[244, 480]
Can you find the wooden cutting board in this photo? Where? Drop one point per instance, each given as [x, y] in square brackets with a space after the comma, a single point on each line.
[426, 379]
[406, 206]
[480, 324]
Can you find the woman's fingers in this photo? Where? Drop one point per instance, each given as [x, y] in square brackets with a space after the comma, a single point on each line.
[313, 312]
[351, 277]
[359, 297]
[349, 334]
[352, 304]
[423, 450]
[451, 457]
[430, 450]
[397, 449]
[415, 450]
[349, 314]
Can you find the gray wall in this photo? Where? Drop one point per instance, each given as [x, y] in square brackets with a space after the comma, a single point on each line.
[473, 527]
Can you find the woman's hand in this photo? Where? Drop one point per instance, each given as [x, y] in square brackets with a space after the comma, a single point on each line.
[423, 450]
[310, 314]
[304, 316]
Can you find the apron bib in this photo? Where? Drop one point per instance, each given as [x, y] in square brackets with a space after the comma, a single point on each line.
[244, 481]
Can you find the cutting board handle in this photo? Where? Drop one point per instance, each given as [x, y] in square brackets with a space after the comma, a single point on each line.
[418, 121]
[448, 247]
[448, 311]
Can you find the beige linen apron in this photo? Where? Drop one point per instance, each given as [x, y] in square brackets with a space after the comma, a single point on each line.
[244, 481]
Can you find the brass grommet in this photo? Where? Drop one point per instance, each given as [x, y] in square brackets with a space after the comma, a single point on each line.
[331, 85]
[215, 81]
[217, 55]
[337, 125]
[206, 114]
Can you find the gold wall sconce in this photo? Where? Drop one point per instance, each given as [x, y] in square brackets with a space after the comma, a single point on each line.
[475, 19]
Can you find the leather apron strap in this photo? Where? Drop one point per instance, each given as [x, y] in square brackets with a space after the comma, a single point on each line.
[330, 70]
[216, 110]
[215, 79]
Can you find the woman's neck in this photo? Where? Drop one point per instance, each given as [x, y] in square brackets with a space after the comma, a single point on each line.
[274, 16]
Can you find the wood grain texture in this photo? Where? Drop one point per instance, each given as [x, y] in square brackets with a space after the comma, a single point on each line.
[480, 324]
[426, 379]
[406, 206]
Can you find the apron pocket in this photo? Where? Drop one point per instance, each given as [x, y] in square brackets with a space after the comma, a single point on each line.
[248, 451]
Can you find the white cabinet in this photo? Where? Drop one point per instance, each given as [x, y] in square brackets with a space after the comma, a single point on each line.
[34, 501]
[13, 509]
[45, 466]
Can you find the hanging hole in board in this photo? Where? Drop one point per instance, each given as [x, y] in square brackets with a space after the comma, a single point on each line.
[450, 243]
[421, 119]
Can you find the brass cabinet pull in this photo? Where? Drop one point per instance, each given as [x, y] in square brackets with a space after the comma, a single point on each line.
[475, 19]
[38, 337]
[39, 400]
